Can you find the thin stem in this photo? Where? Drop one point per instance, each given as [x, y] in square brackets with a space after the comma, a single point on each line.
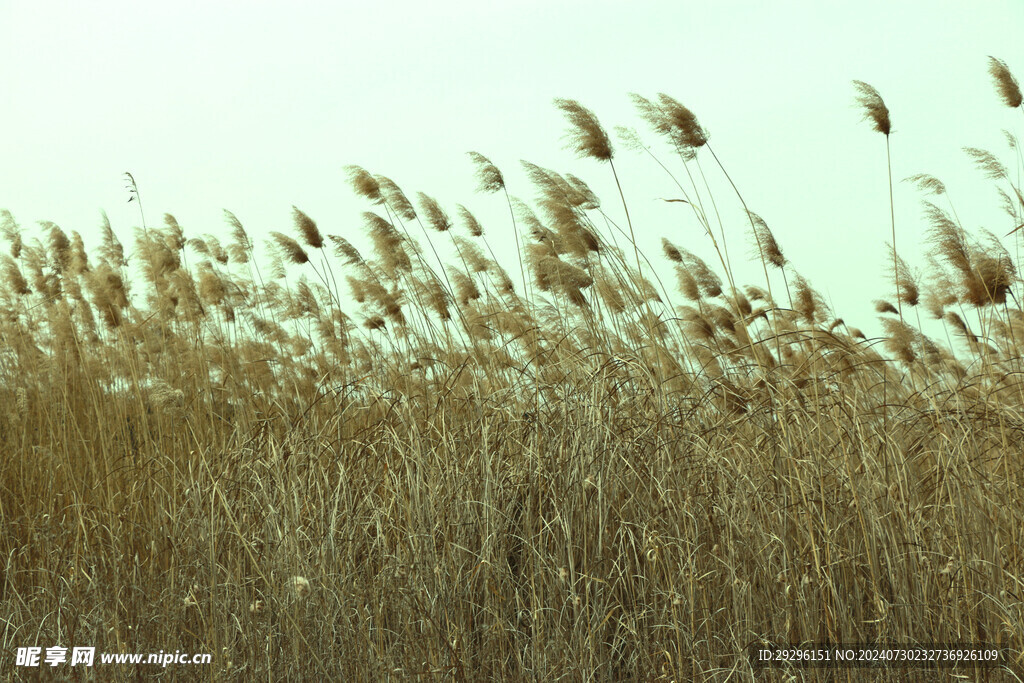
[892, 215]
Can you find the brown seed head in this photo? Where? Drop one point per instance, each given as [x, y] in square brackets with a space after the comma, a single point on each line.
[289, 249]
[991, 279]
[684, 124]
[472, 224]
[1006, 84]
[465, 288]
[307, 229]
[909, 290]
[343, 249]
[808, 302]
[671, 252]
[388, 243]
[434, 214]
[10, 230]
[766, 244]
[487, 174]
[12, 276]
[364, 184]
[987, 163]
[60, 246]
[240, 246]
[900, 339]
[874, 107]
[586, 134]
[395, 198]
[582, 196]
[927, 183]
[882, 306]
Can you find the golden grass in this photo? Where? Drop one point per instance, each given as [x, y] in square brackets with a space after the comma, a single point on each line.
[469, 478]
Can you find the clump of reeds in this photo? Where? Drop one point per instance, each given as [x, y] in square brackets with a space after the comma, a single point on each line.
[580, 479]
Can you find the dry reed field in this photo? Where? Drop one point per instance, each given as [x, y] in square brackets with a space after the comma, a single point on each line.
[552, 466]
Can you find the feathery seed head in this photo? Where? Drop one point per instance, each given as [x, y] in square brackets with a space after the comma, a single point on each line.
[472, 224]
[488, 176]
[395, 198]
[1006, 84]
[987, 163]
[472, 255]
[199, 245]
[671, 252]
[909, 291]
[706, 278]
[289, 249]
[465, 288]
[927, 183]
[433, 213]
[683, 122]
[388, 243]
[808, 302]
[11, 231]
[687, 283]
[364, 184]
[586, 134]
[882, 306]
[60, 246]
[13, 278]
[630, 138]
[240, 246]
[766, 243]
[901, 339]
[673, 121]
[992, 278]
[960, 326]
[307, 228]
[344, 250]
[583, 197]
[874, 107]
[434, 296]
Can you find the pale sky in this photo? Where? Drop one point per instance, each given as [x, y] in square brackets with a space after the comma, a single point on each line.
[256, 106]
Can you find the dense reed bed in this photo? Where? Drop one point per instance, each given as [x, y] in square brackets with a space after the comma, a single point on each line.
[556, 466]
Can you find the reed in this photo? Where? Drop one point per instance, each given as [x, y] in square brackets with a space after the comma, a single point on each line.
[453, 475]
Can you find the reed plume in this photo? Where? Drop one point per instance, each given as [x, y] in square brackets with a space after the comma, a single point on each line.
[307, 229]
[289, 249]
[874, 108]
[436, 217]
[11, 231]
[365, 184]
[910, 291]
[766, 243]
[395, 199]
[488, 176]
[240, 246]
[1006, 84]
[927, 183]
[877, 113]
[587, 137]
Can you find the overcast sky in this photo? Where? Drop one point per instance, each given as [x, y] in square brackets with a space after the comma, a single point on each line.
[256, 106]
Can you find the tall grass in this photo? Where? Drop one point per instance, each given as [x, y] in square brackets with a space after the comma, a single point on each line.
[469, 477]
